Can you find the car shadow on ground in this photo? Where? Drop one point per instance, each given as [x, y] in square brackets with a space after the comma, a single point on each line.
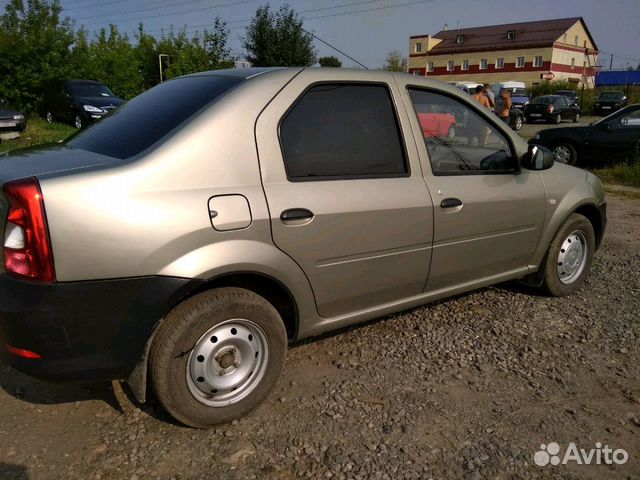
[10, 471]
[37, 392]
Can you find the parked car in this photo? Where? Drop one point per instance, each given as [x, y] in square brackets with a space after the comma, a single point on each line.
[182, 244]
[437, 124]
[79, 102]
[608, 102]
[552, 108]
[609, 140]
[11, 120]
[571, 94]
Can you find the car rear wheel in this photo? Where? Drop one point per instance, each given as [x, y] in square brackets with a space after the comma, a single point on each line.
[576, 119]
[564, 152]
[569, 257]
[78, 122]
[217, 356]
[558, 119]
[48, 116]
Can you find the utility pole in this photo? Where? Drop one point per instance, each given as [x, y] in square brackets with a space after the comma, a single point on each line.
[160, 64]
[611, 63]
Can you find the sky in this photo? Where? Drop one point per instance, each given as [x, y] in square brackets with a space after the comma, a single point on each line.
[369, 29]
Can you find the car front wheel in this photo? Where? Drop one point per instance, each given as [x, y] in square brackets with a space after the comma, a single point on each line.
[517, 123]
[576, 119]
[48, 117]
[569, 257]
[564, 152]
[217, 356]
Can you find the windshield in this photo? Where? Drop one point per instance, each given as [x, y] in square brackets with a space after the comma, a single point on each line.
[150, 116]
[543, 100]
[90, 90]
[610, 96]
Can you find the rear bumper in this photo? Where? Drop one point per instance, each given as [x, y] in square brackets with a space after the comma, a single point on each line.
[83, 331]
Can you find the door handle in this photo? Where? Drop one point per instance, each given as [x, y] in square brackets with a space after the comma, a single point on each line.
[451, 203]
[296, 214]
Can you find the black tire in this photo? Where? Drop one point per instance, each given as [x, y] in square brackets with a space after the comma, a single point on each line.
[576, 118]
[185, 326]
[552, 283]
[78, 121]
[572, 154]
[558, 119]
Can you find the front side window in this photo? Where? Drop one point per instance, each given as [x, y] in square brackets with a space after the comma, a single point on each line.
[630, 120]
[339, 131]
[458, 139]
[500, 62]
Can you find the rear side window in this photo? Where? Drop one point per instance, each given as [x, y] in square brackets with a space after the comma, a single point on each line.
[147, 118]
[343, 131]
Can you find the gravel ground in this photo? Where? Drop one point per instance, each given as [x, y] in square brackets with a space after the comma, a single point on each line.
[466, 388]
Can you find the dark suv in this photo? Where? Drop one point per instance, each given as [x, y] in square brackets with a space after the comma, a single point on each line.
[609, 102]
[79, 102]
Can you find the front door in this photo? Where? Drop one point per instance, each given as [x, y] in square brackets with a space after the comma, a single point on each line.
[616, 139]
[345, 191]
[488, 215]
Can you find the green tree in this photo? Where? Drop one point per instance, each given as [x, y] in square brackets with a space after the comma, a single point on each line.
[34, 49]
[395, 62]
[278, 39]
[329, 62]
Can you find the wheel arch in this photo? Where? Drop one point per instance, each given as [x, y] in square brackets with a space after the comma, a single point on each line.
[270, 288]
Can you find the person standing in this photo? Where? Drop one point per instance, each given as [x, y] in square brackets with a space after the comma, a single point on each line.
[505, 105]
[490, 96]
[481, 98]
[481, 132]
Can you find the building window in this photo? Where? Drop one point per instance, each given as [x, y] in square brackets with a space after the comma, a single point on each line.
[430, 67]
[460, 39]
[537, 61]
[500, 62]
[465, 65]
[575, 40]
[418, 47]
[520, 62]
[450, 66]
[511, 34]
[573, 62]
[484, 63]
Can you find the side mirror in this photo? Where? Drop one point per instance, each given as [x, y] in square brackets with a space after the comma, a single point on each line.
[537, 158]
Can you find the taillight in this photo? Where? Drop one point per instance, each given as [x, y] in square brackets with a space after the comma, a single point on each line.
[550, 109]
[27, 249]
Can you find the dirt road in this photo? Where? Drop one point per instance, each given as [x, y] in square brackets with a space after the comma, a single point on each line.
[469, 388]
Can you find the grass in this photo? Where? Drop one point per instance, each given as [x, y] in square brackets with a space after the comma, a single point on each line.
[38, 132]
[624, 174]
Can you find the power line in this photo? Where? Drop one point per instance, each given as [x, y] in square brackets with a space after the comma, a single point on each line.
[240, 2]
[335, 48]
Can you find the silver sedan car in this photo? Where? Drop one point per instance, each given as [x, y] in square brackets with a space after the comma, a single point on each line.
[181, 243]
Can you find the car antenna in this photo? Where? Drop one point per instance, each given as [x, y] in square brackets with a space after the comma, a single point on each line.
[336, 49]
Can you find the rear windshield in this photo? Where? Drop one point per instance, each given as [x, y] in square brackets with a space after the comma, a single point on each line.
[147, 118]
[543, 100]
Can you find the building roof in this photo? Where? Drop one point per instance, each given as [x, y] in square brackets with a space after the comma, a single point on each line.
[494, 37]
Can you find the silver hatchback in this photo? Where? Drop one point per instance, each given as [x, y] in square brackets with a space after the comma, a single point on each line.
[184, 240]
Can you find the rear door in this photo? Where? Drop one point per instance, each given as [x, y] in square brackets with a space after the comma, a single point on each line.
[345, 190]
[488, 215]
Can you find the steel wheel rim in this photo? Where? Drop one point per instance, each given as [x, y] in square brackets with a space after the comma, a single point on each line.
[562, 154]
[227, 362]
[78, 122]
[518, 124]
[572, 257]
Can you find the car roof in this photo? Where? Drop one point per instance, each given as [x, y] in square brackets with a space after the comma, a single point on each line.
[91, 82]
